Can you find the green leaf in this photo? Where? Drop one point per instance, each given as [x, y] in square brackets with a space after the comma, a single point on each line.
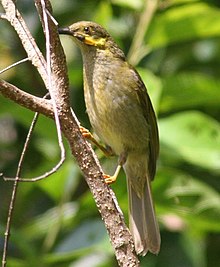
[44, 127]
[185, 186]
[134, 4]
[59, 183]
[88, 234]
[193, 136]
[180, 2]
[49, 220]
[103, 13]
[185, 90]
[200, 202]
[178, 193]
[182, 23]
[15, 262]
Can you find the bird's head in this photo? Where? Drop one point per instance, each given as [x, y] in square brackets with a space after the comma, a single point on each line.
[89, 34]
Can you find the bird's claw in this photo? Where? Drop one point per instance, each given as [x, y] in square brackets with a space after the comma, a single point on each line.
[85, 132]
[109, 179]
[106, 150]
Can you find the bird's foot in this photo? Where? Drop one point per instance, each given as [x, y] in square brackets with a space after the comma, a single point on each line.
[105, 149]
[85, 132]
[111, 179]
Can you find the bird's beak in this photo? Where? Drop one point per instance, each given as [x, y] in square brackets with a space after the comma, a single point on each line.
[86, 39]
[74, 33]
[65, 31]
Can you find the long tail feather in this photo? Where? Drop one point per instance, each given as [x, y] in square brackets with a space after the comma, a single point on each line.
[142, 220]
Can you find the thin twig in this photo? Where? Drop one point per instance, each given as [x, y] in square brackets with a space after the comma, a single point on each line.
[34, 103]
[37, 178]
[57, 121]
[34, 179]
[48, 60]
[14, 64]
[52, 18]
[14, 191]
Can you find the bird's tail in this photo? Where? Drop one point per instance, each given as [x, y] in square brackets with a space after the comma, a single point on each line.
[142, 220]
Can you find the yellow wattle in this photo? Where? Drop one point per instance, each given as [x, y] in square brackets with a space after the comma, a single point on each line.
[99, 42]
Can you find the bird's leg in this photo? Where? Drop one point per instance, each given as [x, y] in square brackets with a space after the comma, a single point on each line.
[121, 161]
[105, 149]
[108, 152]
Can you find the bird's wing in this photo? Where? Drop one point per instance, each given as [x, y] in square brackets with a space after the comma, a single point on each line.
[150, 117]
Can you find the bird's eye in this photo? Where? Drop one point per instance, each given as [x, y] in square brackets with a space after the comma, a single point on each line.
[86, 30]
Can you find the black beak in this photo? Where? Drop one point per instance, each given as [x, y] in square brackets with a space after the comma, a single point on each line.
[65, 31]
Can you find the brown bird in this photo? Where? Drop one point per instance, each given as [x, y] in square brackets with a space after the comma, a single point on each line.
[121, 114]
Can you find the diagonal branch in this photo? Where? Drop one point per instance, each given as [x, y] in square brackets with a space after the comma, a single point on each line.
[34, 103]
[104, 197]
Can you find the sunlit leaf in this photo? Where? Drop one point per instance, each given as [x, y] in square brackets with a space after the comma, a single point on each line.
[103, 13]
[194, 136]
[134, 4]
[184, 22]
[185, 90]
[59, 183]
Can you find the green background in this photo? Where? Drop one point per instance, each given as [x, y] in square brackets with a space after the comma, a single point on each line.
[56, 222]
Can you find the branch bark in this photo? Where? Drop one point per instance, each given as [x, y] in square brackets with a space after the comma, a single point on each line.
[103, 195]
[34, 103]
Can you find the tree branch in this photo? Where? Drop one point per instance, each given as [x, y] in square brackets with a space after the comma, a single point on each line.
[34, 103]
[104, 197]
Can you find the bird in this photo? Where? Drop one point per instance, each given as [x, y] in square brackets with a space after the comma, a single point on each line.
[122, 116]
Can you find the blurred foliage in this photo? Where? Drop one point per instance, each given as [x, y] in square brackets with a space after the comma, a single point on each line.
[56, 222]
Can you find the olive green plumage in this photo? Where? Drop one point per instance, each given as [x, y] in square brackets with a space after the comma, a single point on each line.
[121, 114]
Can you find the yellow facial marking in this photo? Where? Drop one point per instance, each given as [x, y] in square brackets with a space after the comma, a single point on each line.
[99, 42]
